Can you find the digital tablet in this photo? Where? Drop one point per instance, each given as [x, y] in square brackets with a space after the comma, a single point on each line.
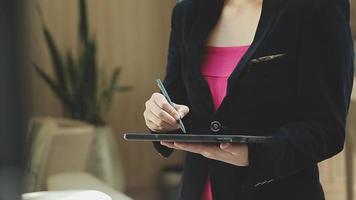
[196, 138]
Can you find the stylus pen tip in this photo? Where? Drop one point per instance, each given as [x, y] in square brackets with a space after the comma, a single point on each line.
[182, 126]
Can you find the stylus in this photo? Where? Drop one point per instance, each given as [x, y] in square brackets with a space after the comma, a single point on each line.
[165, 94]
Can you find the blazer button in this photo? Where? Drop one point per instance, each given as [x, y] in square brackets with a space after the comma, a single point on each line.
[215, 126]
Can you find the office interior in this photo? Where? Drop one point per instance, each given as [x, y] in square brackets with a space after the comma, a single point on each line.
[43, 150]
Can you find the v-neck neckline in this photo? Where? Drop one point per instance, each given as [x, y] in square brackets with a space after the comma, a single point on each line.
[268, 14]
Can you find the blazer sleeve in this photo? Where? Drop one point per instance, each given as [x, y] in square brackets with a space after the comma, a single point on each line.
[173, 81]
[325, 78]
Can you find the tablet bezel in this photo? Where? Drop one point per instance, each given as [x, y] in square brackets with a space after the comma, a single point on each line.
[196, 138]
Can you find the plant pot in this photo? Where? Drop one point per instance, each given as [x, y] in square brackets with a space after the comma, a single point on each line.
[104, 160]
[55, 145]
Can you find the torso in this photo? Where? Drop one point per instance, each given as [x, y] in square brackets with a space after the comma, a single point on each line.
[235, 30]
[264, 96]
[237, 24]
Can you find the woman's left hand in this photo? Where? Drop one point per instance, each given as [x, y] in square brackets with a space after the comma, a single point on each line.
[235, 154]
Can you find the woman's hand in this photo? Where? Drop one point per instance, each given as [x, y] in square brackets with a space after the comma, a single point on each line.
[160, 116]
[235, 154]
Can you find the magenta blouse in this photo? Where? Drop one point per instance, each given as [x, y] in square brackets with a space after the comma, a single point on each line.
[218, 64]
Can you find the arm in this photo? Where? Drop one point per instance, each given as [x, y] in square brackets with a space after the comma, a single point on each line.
[173, 79]
[325, 72]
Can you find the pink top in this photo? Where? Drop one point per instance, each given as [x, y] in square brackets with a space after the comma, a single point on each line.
[217, 66]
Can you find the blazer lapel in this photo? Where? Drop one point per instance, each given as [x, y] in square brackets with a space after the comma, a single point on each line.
[269, 13]
[208, 13]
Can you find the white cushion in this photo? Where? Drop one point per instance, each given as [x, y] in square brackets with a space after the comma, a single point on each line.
[66, 195]
[82, 181]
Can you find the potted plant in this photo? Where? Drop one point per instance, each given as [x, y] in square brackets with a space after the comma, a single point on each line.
[86, 96]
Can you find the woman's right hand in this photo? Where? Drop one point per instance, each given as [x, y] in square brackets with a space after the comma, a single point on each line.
[160, 116]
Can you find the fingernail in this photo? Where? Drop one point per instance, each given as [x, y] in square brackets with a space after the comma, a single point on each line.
[224, 145]
[181, 115]
[177, 117]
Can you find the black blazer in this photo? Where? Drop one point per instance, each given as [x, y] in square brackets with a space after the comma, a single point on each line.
[294, 83]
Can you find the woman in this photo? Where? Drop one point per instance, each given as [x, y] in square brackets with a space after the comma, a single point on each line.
[278, 67]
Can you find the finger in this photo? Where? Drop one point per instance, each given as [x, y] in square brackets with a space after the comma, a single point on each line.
[234, 149]
[194, 148]
[183, 110]
[225, 147]
[162, 102]
[156, 128]
[236, 152]
[206, 150]
[163, 115]
[211, 152]
[158, 123]
[168, 144]
[152, 126]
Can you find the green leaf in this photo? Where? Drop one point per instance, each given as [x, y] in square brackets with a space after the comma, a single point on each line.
[113, 84]
[54, 87]
[89, 71]
[123, 88]
[107, 94]
[56, 59]
[54, 53]
[40, 13]
[86, 94]
[72, 74]
[83, 24]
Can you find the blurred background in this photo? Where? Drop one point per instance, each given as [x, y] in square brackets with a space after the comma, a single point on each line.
[61, 132]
